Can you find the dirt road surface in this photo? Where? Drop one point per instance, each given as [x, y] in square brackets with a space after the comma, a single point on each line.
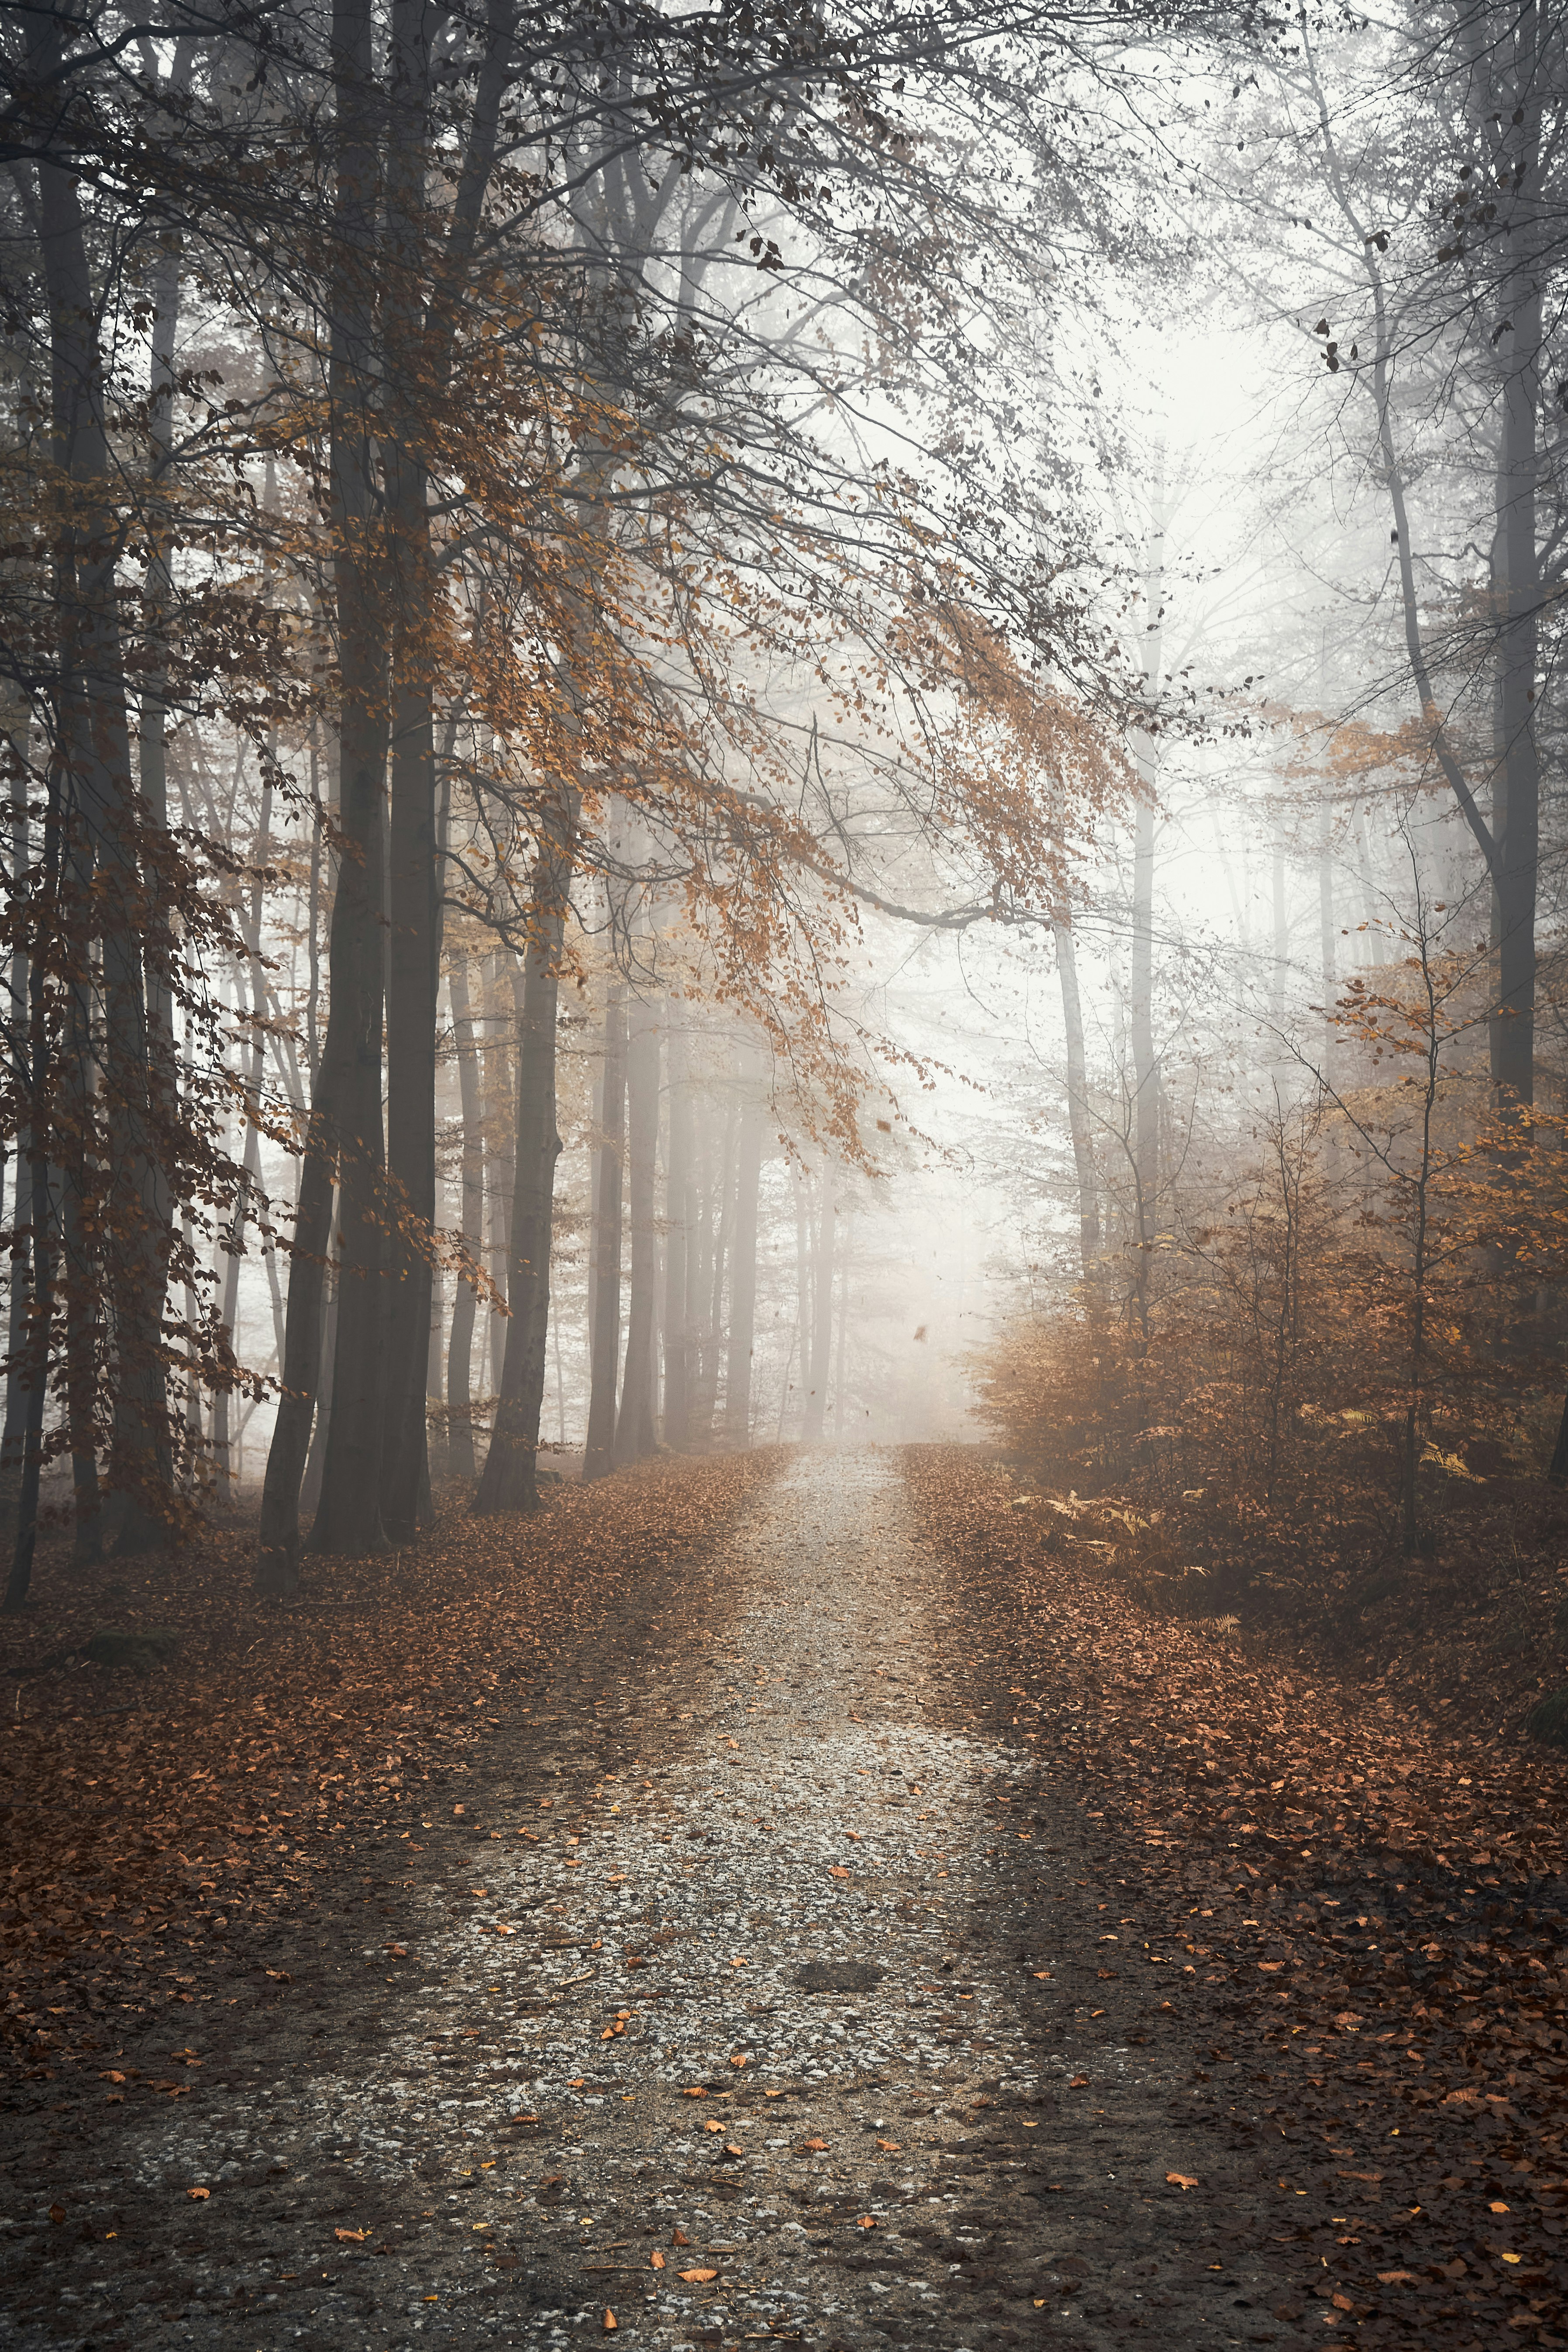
[755, 1990]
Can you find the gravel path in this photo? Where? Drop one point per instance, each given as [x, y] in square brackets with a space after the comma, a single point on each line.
[759, 1995]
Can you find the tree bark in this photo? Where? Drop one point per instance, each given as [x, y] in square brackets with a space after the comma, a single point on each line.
[1079, 1126]
[635, 1436]
[498, 1056]
[677, 1223]
[94, 731]
[605, 1337]
[821, 1314]
[510, 1480]
[460, 1344]
[743, 1332]
[344, 1130]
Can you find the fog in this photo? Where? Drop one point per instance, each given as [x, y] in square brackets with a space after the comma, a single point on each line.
[771, 749]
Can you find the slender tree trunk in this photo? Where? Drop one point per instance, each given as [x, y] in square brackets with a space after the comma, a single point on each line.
[742, 1330]
[26, 1466]
[410, 1042]
[718, 1229]
[511, 1480]
[344, 1130]
[497, 1059]
[94, 729]
[843, 1335]
[604, 1337]
[19, 1300]
[678, 1221]
[315, 1460]
[1141, 989]
[633, 1422]
[459, 1356]
[1078, 1103]
[822, 1313]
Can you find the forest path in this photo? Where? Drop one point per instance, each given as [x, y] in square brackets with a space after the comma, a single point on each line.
[769, 1827]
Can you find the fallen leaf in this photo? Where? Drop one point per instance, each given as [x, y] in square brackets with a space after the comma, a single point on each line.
[611, 2323]
[1396, 2278]
[57, 2212]
[1182, 2179]
[836, 1870]
[1513, 2258]
[354, 2237]
[730, 2149]
[201, 2195]
[697, 2278]
[739, 2062]
[867, 2222]
[280, 1976]
[1078, 2082]
[709, 2125]
[656, 2259]
[679, 2238]
[817, 2144]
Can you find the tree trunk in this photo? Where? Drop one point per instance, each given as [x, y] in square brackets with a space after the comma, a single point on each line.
[1140, 991]
[345, 1124]
[634, 1423]
[411, 1024]
[743, 1332]
[23, 1463]
[821, 1315]
[94, 731]
[606, 1334]
[677, 1185]
[716, 1233]
[460, 1355]
[1078, 1103]
[498, 1057]
[511, 1480]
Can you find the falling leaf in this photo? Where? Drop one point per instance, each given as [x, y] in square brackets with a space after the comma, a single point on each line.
[697, 2278]
[1182, 2179]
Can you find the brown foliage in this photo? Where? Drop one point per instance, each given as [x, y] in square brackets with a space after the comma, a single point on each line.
[140, 1811]
[1374, 1901]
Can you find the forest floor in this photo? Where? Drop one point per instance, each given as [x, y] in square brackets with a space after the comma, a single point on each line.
[763, 1900]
